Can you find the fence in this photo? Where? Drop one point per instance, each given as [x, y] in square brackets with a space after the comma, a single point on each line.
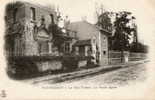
[115, 56]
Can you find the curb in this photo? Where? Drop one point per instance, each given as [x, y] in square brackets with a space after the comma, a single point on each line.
[85, 72]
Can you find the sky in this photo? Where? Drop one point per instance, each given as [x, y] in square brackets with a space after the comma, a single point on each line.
[143, 10]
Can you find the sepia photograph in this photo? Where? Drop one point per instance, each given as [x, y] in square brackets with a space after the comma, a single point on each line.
[82, 45]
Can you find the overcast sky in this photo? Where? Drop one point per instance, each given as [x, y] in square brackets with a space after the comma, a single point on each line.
[141, 9]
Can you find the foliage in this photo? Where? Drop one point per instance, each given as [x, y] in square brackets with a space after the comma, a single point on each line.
[122, 31]
[104, 21]
[138, 47]
[56, 33]
[121, 25]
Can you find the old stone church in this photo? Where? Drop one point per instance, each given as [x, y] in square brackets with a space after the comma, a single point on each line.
[29, 33]
[29, 30]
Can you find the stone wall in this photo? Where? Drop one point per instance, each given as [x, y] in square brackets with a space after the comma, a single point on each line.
[31, 45]
[21, 35]
[39, 12]
[82, 63]
[14, 34]
[29, 24]
[49, 65]
[18, 21]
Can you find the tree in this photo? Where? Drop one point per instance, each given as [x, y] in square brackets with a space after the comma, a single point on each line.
[122, 27]
[57, 32]
[105, 22]
[104, 17]
[123, 31]
[138, 47]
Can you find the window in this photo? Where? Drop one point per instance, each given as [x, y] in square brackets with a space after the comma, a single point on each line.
[82, 50]
[43, 48]
[33, 13]
[94, 41]
[104, 52]
[15, 15]
[52, 18]
[104, 38]
[67, 47]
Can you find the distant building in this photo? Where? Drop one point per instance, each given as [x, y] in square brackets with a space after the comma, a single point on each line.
[91, 40]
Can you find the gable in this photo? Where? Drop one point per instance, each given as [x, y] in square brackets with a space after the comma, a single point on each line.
[43, 33]
[84, 29]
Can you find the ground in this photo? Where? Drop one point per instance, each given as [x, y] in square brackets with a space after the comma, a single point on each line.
[121, 76]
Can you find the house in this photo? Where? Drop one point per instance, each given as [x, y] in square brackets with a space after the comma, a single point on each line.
[91, 40]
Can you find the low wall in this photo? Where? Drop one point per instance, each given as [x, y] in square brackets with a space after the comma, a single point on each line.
[82, 63]
[49, 65]
[115, 56]
[114, 60]
[137, 56]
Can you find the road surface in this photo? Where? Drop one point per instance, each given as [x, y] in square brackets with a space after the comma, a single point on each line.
[123, 76]
[115, 77]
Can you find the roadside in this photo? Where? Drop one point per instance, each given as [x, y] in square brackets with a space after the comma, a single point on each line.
[81, 73]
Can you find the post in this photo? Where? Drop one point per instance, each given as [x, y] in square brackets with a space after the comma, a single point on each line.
[86, 50]
[77, 50]
[50, 47]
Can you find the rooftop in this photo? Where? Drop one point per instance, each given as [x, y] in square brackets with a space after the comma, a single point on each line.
[83, 42]
[73, 25]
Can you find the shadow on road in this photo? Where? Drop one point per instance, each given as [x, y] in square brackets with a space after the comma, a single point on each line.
[70, 77]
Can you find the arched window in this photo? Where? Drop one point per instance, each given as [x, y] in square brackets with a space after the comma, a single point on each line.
[33, 14]
[104, 52]
[52, 18]
[15, 15]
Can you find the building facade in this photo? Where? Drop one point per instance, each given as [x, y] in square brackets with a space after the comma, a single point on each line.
[27, 32]
[91, 40]
[32, 31]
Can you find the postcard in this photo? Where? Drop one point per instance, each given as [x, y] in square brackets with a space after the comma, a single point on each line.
[77, 49]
